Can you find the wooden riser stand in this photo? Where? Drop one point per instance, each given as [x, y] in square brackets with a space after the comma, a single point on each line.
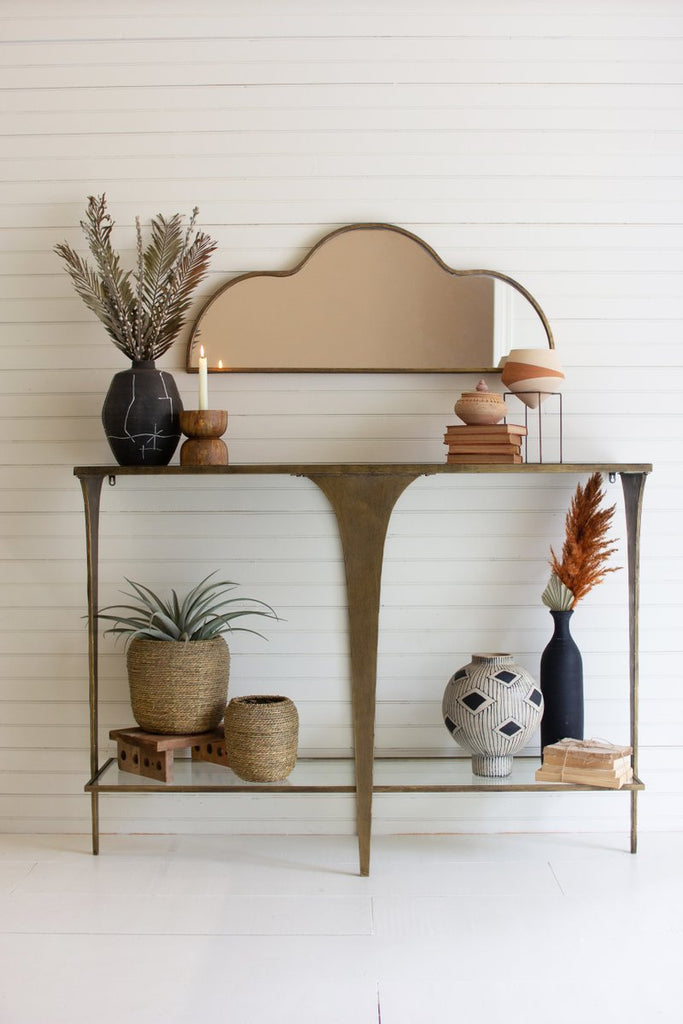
[151, 754]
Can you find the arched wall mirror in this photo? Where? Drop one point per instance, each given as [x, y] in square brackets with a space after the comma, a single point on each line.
[369, 298]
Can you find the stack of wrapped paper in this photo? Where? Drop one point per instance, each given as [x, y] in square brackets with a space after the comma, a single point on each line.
[588, 762]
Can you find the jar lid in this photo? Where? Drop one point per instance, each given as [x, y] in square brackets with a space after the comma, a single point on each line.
[482, 391]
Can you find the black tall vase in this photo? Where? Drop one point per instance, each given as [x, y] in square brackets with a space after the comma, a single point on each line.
[561, 684]
[141, 416]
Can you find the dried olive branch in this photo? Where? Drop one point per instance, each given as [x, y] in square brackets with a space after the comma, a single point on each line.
[144, 321]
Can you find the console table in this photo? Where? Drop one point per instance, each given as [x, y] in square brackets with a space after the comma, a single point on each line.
[362, 497]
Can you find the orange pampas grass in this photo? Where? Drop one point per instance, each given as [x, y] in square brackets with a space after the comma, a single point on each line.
[586, 548]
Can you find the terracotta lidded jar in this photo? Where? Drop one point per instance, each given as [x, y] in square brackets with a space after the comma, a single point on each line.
[481, 406]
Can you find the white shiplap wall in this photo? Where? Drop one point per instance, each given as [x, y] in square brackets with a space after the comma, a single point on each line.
[543, 140]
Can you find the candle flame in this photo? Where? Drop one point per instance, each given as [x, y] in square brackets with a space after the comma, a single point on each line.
[201, 351]
[220, 364]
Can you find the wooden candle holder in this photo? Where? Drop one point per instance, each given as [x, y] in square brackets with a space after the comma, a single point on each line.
[203, 429]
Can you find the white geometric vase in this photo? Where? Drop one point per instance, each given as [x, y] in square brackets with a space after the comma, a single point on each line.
[491, 707]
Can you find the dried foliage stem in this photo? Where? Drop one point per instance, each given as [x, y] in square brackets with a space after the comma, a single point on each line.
[142, 321]
[139, 281]
[586, 548]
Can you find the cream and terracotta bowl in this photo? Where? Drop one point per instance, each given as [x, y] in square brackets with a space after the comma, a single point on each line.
[533, 370]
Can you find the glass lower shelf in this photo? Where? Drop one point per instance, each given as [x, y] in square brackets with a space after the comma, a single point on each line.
[405, 774]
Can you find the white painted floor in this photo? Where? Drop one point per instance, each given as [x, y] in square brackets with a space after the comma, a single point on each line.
[552, 929]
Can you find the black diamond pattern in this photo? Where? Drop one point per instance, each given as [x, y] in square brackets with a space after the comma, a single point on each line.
[535, 697]
[505, 676]
[450, 725]
[510, 728]
[460, 675]
[474, 700]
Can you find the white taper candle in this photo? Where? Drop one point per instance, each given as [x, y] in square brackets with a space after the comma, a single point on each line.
[203, 380]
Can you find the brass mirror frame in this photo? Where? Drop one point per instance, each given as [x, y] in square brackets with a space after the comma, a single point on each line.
[378, 226]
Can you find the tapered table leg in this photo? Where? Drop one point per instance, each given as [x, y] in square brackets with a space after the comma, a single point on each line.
[633, 485]
[363, 504]
[92, 489]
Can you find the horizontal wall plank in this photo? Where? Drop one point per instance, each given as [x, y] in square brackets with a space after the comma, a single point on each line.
[356, 199]
[291, 70]
[560, 149]
[494, 18]
[510, 109]
[231, 52]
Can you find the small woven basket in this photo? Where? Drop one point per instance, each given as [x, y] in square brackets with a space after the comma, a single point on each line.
[261, 737]
[176, 687]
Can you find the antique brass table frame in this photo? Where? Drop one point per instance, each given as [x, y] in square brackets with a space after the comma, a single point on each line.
[363, 497]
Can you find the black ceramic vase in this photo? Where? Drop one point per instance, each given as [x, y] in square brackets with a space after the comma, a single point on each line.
[141, 416]
[561, 684]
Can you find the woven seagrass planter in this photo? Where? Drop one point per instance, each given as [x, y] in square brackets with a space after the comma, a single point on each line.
[177, 687]
[261, 737]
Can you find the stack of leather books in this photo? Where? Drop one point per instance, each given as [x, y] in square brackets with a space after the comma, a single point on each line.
[588, 762]
[499, 442]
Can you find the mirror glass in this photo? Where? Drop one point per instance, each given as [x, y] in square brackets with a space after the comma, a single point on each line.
[367, 298]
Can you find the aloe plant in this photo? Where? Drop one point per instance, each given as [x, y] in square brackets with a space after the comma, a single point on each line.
[200, 615]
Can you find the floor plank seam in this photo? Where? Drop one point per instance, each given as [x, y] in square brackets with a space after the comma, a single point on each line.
[554, 874]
